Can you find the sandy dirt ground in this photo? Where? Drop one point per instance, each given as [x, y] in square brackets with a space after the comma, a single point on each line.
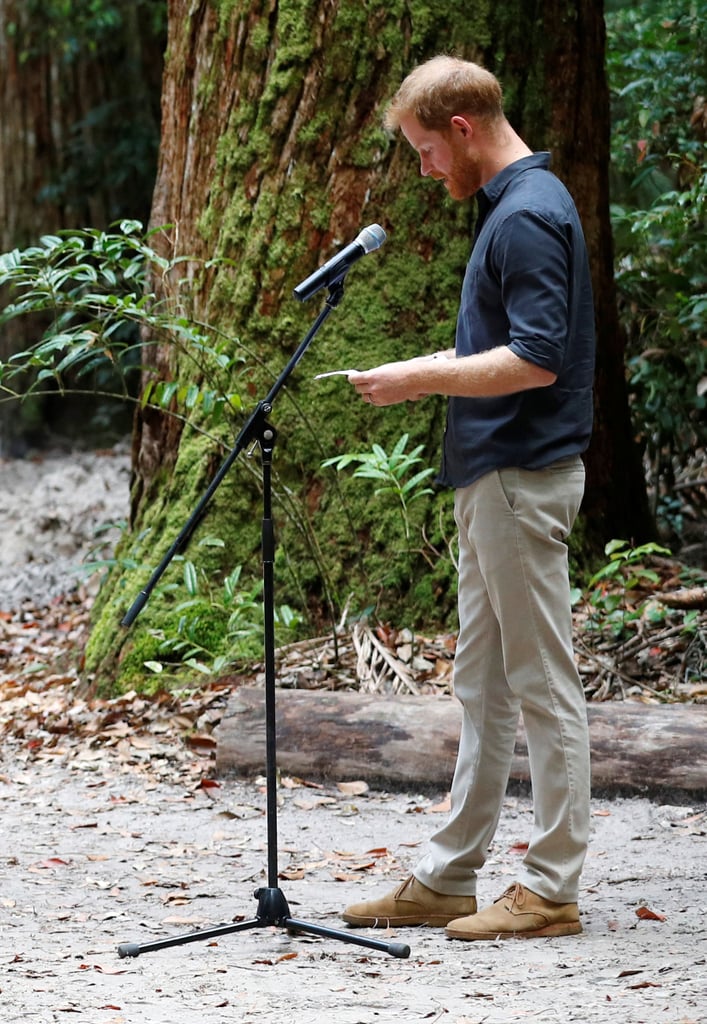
[128, 843]
[57, 512]
[96, 853]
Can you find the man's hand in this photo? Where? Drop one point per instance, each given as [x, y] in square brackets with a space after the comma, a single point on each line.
[391, 383]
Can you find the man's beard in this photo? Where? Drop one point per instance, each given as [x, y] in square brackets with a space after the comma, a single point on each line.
[464, 178]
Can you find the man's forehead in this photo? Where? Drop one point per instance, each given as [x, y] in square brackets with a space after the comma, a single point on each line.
[416, 135]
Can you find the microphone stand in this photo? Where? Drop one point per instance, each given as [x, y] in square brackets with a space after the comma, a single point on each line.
[273, 908]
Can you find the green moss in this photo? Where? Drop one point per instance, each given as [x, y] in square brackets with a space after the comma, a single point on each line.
[260, 38]
[268, 215]
[372, 142]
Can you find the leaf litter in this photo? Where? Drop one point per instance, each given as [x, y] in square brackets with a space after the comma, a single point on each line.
[124, 832]
[115, 828]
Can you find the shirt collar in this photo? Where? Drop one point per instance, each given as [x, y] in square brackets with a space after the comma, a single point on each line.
[494, 188]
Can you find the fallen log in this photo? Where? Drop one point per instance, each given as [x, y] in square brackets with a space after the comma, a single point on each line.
[408, 742]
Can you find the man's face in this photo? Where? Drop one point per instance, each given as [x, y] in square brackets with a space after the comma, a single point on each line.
[445, 156]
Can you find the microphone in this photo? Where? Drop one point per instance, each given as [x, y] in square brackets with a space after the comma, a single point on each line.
[334, 269]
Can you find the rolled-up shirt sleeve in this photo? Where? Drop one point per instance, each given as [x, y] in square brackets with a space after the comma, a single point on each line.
[534, 263]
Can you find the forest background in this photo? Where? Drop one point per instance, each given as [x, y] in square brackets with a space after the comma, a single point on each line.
[105, 323]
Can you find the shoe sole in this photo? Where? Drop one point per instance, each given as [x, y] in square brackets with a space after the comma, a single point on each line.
[398, 922]
[550, 931]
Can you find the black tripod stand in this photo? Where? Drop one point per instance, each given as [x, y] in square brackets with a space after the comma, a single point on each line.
[273, 908]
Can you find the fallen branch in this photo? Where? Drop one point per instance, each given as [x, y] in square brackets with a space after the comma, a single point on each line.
[689, 597]
[404, 741]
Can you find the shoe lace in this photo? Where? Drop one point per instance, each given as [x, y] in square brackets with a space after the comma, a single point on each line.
[403, 886]
[516, 894]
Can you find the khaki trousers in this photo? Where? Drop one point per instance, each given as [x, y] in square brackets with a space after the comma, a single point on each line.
[514, 655]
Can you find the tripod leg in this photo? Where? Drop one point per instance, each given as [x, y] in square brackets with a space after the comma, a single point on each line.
[273, 909]
[398, 949]
[134, 949]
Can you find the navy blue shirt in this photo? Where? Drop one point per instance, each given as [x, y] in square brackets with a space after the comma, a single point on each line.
[527, 285]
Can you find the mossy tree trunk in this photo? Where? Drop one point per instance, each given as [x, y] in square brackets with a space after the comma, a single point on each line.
[272, 158]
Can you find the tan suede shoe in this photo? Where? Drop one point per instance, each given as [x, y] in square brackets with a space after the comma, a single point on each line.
[518, 914]
[411, 904]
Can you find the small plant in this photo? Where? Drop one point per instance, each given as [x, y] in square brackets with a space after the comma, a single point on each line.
[217, 625]
[391, 470]
[610, 610]
[88, 290]
[398, 477]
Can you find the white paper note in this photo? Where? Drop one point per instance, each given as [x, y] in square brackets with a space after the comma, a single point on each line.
[335, 373]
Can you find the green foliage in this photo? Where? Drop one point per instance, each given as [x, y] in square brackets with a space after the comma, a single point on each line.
[62, 26]
[657, 69]
[625, 564]
[214, 624]
[398, 478]
[658, 76]
[198, 619]
[91, 294]
[662, 276]
[88, 293]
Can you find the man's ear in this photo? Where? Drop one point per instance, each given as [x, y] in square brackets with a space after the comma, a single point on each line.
[462, 126]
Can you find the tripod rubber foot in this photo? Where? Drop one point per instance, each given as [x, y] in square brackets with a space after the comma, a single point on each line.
[399, 949]
[129, 949]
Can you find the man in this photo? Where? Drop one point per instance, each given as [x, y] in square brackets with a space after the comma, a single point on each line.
[519, 384]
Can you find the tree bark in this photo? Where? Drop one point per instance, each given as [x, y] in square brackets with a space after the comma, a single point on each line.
[411, 742]
[272, 157]
[66, 96]
[615, 503]
[78, 138]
